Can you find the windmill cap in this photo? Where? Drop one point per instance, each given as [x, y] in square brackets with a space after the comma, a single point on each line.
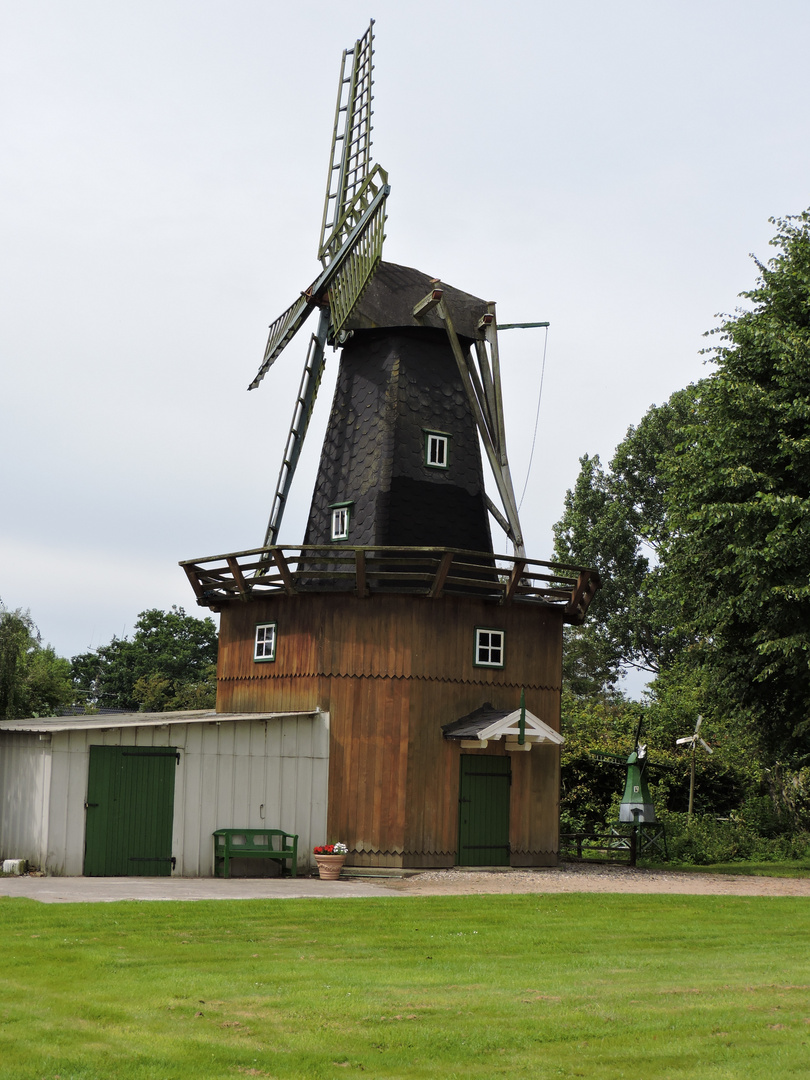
[394, 291]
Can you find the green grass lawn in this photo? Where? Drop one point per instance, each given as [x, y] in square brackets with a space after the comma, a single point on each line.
[600, 986]
[791, 868]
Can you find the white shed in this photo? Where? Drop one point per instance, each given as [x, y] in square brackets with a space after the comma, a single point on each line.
[200, 770]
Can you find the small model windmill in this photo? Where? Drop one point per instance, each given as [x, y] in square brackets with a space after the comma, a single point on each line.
[419, 370]
[693, 740]
[636, 805]
[647, 835]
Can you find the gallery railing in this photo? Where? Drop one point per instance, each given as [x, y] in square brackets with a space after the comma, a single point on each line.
[430, 572]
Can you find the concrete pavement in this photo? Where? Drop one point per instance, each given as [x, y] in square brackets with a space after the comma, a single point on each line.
[74, 890]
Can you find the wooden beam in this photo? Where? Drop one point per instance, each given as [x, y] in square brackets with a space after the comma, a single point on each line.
[239, 578]
[504, 524]
[284, 570]
[427, 303]
[486, 380]
[441, 575]
[360, 572]
[473, 744]
[585, 589]
[496, 454]
[491, 334]
[514, 579]
[191, 573]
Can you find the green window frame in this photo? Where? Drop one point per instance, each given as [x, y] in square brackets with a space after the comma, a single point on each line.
[340, 521]
[264, 642]
[490, 647]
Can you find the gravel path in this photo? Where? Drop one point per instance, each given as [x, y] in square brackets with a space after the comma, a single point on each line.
[575, 877]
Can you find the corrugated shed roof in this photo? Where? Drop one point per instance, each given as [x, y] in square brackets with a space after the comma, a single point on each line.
[107, 721]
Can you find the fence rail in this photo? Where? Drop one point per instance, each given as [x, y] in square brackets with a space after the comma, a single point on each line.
[619, 845]
[586, 847]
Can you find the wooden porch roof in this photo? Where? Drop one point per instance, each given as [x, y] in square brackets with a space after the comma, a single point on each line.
[487, 724]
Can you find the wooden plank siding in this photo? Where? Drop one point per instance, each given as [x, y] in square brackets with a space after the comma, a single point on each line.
[391, 670]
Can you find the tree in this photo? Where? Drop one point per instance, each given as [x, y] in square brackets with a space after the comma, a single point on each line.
[739, 503]
[169, 664]
[34, 681]
[595, 531]
[701, 525]
[617, 521]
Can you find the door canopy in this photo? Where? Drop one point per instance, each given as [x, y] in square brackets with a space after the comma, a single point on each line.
[488, 724]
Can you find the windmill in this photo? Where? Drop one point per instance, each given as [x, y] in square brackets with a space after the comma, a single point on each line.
[361, 300]
[395, 622]
[636, 808]
[693, 740]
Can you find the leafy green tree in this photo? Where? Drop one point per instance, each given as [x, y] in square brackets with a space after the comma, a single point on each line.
[617, 521]
[739, 504]
[169, 664]
[34, 681]
[595, 531]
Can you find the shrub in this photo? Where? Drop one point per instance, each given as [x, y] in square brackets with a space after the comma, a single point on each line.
[704, 840]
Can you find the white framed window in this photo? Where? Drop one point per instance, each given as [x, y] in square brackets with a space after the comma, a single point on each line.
[489, 647]
[264, 647]
[340, 521]
[437, 450]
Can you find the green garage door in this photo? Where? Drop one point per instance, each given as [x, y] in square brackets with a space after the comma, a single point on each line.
[483, 812]
[130, 805]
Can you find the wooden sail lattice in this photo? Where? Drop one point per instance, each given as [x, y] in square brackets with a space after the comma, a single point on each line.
[350, 158]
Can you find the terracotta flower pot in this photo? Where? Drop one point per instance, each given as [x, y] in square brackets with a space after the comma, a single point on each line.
[329, 866]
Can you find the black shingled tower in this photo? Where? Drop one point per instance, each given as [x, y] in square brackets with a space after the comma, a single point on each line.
[396, 382]
[399, 380]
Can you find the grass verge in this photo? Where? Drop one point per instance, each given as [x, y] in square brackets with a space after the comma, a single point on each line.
[787, 868]
[602, 986]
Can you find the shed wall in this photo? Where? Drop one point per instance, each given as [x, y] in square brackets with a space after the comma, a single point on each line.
[25, 771]
[262, 773]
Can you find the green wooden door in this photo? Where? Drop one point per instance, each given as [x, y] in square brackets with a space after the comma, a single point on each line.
[483, 812]
[130, 805]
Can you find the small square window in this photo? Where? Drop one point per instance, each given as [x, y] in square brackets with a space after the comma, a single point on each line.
[489, 647]
[340, 523]
[437, 450]
[265, 645]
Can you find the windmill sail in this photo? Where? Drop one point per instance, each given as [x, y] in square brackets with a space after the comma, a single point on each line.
[360, 234]
[350, 250]
[352, 228]
[310, 381]
[281, 331]
[350, 160]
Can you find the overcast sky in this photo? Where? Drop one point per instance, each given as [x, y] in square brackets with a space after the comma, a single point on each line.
[604, 166]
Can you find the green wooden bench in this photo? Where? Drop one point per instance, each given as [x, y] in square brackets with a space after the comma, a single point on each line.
[254, 844]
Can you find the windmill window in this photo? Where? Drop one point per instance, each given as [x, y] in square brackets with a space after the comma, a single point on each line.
[264, 647]
[489, 647]
[341, 516]
[437, 450]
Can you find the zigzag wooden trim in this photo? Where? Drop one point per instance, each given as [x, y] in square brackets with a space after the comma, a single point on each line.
[270, 676]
